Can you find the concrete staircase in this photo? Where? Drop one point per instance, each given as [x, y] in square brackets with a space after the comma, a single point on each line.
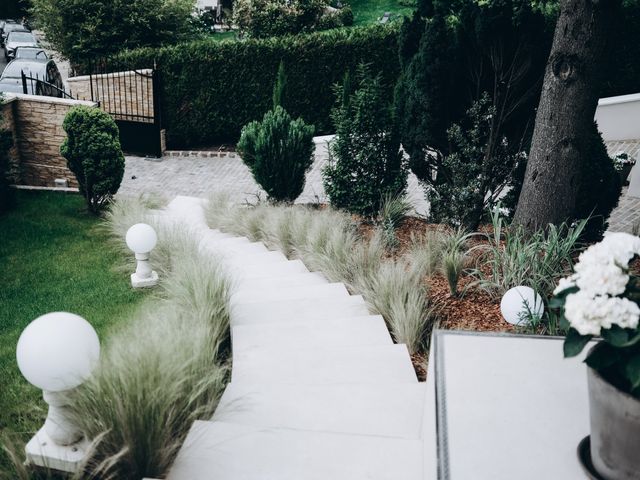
[318, 389]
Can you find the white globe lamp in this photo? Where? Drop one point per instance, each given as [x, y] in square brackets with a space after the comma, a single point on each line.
[141, 239]
[519, 304]
[57, 352]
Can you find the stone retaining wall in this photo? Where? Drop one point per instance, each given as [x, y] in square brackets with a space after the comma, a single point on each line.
[38, 134]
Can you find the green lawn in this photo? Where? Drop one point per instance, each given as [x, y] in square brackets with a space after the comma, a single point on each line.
[52, 258]
[369, 11]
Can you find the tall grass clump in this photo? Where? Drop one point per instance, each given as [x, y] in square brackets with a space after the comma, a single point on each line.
[393, 210]
[166, 367]
[328, 241]
[512, 257]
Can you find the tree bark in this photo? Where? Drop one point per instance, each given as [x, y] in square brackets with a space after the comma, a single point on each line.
[565, 114]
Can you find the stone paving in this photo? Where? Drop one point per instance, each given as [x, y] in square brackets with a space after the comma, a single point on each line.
[202, 173]
[199, 174]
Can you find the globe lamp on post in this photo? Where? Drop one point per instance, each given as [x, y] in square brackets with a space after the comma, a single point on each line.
[521, 304]
[141, 239]
[57, 352]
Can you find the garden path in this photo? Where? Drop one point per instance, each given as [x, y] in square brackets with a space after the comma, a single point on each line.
[318, 388]
[199, 173]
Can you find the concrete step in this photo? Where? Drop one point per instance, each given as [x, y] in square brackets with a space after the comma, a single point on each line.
[306, 292]
[282, 269]
[188, 209]
[330, 333]
[241, 260]
[233, 249]
[277, 283]
[298, 311]
[394, 410]
[236, 452]
[318, 366]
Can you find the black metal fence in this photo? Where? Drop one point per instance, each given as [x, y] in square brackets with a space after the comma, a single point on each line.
[38, 86]
[132, 98]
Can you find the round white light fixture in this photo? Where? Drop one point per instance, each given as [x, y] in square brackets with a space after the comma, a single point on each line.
[520, 304]
[141, 238]
[58, 351]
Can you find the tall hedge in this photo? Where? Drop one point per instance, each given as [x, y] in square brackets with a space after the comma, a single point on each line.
[211, 89]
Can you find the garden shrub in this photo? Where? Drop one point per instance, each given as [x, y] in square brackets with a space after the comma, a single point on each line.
[93, 153]
[267, 18]
[366, 163]
[211, 89]
[450, 55]
[279, 152]
[470, 179]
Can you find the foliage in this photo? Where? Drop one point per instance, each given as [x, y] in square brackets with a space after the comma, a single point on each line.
[7, 195]
[470, 179]
[393, 211]
[601, 299]
[211, 89]
[598, 192]
[15, 9]
[327, 241]
[84, 30]
[365, 158]
[454, 257]
[513, 258]
[268, 18]
[70, 267]
[166, 367]
[279, 152]
[450, 55]
[93, 153]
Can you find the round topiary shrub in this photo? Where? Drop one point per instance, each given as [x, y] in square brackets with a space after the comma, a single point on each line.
[93, 153]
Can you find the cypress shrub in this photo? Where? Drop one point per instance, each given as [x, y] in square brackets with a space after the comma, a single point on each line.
[211, 89]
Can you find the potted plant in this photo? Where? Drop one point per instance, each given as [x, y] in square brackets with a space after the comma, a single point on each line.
[623, 164]
[601, 300]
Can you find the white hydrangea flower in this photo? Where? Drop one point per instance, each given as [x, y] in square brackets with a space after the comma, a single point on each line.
[607, 279]
[565, 283]
[589, 315]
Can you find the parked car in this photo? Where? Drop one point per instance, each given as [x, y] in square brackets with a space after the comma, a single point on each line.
[42, 78]
[4, 22]
[11, 27]
[32, 53]
[18, 38]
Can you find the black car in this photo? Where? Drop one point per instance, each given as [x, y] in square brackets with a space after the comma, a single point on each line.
[42, 78]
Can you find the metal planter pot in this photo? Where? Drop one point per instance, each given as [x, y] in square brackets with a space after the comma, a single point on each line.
[615, 429]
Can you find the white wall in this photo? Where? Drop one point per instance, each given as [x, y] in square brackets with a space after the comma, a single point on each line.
[619, 117]
[201, 4]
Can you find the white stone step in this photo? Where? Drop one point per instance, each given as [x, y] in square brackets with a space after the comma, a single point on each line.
[276, 283]
[330, 333]
[394, 410]
[298, 311]
[242, 260]
[316, 366]
[234, 249]
[222, 451]
[282, 269]
[188, 209]
[215, 233]
[312, 292]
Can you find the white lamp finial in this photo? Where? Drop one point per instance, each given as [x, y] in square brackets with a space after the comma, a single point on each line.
[521, 303]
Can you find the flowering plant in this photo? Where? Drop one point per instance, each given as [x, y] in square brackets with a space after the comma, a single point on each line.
[601, 299]
[621, 159]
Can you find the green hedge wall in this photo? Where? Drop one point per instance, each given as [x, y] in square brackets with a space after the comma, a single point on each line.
[211, 89]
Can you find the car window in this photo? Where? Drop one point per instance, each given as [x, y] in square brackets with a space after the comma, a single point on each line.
[20, 37]
[32, 69]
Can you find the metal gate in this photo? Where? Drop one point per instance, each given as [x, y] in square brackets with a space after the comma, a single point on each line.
[131, 97]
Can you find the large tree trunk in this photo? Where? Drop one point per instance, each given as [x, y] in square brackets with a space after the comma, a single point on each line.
[565, 114]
